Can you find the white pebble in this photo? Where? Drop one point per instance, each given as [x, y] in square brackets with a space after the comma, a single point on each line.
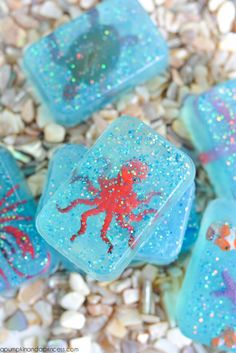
[87, 4]
[27, 111]
[44, 309]
[49, 9]
[165, 346]
[83, 343]
[148, 5]
[72, 301]
[72, 319]
[159, 2]
[10, 123]
[225, 16]
[228, 41]
[213, 5]
[176, 337]
[78, 284]
[131, 296]
[54, 133]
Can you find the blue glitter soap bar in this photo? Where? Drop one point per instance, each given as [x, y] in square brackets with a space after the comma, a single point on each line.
[164, 245]
[207, 303]
[61, 165]
[86, 63]
[23, 253]
[211, 121]
[115, 198]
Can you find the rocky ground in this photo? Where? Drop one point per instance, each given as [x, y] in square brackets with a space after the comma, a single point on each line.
[135, 313]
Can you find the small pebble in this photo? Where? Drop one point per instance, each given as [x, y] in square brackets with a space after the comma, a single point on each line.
[148, 5]
[99, 309]
[225, 16]
[166, 346]
[87, 4]
[16, 322]
[49, 9]
[11, 33]
[54, 133]
[44, 309]
[30, 342]
[10, 123]
[57, 344]
[84, 344]
[131, 296]
[176, 337]
[116, 328]
[72, 319]
[31, 292]
[28, 111]
[77, 283]
[72, 301]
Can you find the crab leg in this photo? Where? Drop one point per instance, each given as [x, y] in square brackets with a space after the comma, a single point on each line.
[13, 206]
[22, 240]
[8, 194]
[84, 219]
[14, 218]
[4, 277]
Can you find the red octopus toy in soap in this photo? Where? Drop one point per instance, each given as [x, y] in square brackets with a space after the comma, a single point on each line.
[117, 199]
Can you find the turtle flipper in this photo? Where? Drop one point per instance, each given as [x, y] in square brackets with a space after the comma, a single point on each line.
[129, 40]
[54, 49]
[93, 15]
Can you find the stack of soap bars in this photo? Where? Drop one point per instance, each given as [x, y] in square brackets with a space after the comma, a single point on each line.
[130, 198]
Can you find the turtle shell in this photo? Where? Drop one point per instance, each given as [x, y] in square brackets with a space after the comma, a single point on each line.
[93, 55]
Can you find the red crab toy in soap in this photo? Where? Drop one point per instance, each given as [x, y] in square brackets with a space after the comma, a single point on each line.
[11, 236]
[117, 199]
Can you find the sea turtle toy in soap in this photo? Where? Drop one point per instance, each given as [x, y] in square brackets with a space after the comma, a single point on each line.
[91, 56]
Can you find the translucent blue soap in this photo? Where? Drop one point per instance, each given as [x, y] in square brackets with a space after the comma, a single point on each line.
[61, 165]
[114, 200]
[164, 245]
[211, 121]
[207, 303]
[24, 255]
[89, 61]
[192, 229]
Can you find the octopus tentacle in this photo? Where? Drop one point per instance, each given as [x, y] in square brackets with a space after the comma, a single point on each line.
[105, 229]
[128, 226]
[139, 217]
[84, 218]
[149, 197]
[76, 202]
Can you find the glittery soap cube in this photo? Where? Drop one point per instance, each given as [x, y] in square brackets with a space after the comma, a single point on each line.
[125, 183]
[164, 245]
[207, 303]
[86, 63]
[211, 121]
[61, 165]
[23, 253]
